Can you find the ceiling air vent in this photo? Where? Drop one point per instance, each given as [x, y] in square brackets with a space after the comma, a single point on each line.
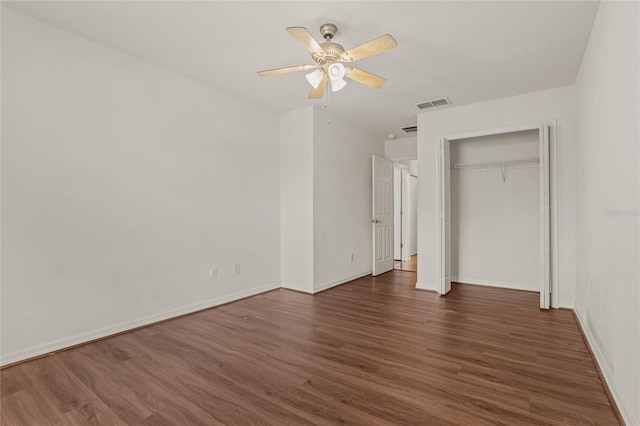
[434, 103]
[410, 129]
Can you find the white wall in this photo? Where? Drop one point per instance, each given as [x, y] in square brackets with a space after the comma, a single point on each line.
[401, 149]
[492, 220]
[607, 292]
[122, 184]
[533, 107]
[341, 200]
[296, 180]
[326, 200]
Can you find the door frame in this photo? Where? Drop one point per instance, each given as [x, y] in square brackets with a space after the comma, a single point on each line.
[413, 233]
[550, 220]
[404, 218]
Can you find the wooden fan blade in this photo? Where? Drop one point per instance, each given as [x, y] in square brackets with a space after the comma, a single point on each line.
[284, 70]
[363, 77]
[318, 92]
[305, 38]
[370, 48]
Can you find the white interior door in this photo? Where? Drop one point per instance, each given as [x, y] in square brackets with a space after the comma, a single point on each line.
[545, 231]
[445, 216]
[382, 222]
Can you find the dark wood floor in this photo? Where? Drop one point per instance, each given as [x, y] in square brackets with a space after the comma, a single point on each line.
[374, 351]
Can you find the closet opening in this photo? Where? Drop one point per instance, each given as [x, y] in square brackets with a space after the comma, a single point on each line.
[495, 194]
[496, 211]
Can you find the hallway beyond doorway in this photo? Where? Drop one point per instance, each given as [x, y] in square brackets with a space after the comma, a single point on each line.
[410, 265]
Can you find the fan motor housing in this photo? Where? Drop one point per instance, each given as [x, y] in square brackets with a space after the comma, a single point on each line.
[332, 52]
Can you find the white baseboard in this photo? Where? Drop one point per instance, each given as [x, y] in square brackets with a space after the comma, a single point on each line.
[426, 286]
[294, 287]
[340, 281]
[513, 286]
[626, 413]
[567, 304]
[78, 339]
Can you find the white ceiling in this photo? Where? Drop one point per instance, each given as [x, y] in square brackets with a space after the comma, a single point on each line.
[468, 51]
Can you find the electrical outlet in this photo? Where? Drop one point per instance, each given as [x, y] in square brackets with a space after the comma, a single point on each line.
[351, 257]
[236, 269]
[213, 273]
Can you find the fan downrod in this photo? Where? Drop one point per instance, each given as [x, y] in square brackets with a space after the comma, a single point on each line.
[328, 31]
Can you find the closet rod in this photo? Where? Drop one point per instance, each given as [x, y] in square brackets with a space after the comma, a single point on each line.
[496, 164]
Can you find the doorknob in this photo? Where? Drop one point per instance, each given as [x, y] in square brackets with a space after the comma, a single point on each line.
[375, 221]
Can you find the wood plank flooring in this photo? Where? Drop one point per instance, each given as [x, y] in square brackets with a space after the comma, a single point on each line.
[373, 351]
[410, 265]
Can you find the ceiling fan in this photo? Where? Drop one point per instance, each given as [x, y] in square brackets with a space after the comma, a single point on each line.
[329, 57]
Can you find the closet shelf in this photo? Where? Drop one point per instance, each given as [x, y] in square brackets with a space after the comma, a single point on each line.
[496, 164]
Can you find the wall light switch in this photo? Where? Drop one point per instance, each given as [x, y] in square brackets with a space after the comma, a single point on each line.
[213, 273]
[236, 269]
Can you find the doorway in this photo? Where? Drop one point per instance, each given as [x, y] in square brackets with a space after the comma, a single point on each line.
[547, 212]
[495, 199]
[406, 215]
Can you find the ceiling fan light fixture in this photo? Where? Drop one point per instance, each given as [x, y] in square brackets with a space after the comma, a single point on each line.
[336, 72]
[337, 85]
[329, 56]
[315, 78]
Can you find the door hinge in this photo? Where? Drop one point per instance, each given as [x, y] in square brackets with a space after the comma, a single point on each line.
[401, 245]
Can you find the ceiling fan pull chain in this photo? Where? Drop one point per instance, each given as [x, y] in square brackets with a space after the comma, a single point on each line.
[327, 97]
[324, 98]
